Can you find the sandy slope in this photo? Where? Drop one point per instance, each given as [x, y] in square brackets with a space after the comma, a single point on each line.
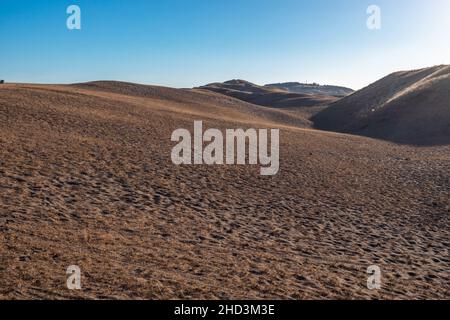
[407, 107]
[86, 179]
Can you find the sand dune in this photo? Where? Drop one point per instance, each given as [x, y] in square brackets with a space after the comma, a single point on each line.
[207, 104]
[410, 107]
[86, 179]
[268, 96]
[312, 89]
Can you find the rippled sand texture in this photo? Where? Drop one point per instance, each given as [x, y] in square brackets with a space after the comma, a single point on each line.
[86, 179]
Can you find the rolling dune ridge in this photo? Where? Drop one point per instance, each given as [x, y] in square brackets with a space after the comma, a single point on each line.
[269, 96]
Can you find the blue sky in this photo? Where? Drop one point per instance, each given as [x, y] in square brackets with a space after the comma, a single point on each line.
[185, 43]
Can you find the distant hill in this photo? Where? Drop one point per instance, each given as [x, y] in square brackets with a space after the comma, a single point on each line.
[314, 88]
[406, 107]
[268, 96]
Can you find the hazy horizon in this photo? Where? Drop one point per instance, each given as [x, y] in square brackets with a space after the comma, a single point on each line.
[181, 44]
[224, 80]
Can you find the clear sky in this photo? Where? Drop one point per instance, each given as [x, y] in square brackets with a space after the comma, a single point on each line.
[185, 43]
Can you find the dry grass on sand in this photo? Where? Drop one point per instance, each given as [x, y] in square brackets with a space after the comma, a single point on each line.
[86, 179]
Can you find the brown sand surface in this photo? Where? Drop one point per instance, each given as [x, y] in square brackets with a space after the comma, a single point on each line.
[86, 179]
